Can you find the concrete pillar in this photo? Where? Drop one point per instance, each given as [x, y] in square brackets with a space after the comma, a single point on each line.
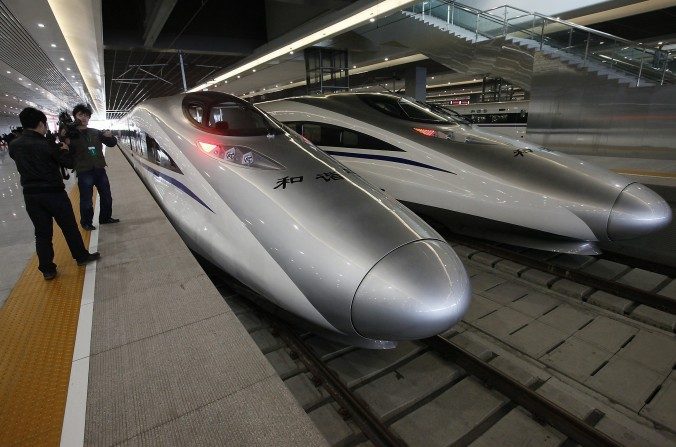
[416, 83]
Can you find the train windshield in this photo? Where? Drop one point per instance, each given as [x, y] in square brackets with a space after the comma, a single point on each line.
[228, 117]
[452, 114]
[408, 109]
[237, 119]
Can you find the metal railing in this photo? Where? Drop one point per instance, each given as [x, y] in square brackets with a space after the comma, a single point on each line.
[633, 59]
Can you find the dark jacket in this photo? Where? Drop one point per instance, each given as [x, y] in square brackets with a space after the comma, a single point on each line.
[38, 162]
[86, 160]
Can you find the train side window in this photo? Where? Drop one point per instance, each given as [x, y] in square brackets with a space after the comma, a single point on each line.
[349, 138]
[329, 135]
[158, 156]
[141, 142]
[312, 132]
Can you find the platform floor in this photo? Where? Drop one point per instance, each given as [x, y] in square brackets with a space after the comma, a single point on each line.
[159, 358]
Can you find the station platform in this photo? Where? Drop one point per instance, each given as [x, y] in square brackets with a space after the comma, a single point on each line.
[136, 348]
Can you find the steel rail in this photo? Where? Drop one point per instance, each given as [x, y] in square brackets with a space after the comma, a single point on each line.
[644, 264]
[540, 407]
[374, 429]
[625, 291]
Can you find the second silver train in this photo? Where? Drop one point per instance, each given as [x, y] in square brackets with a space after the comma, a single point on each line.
[476, 182]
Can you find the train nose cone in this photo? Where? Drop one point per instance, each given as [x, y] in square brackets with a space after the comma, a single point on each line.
[416, 291]
[637, 211]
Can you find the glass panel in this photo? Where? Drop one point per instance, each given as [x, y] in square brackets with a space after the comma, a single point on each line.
[195, 112]
[238, 119]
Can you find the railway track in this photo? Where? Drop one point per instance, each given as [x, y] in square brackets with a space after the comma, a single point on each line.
[627, 289]
[393, 397]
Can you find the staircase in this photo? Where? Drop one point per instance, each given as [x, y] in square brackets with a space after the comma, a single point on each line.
[503, 41]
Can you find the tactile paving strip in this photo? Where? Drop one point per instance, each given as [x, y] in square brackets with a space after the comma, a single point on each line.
[38, 324]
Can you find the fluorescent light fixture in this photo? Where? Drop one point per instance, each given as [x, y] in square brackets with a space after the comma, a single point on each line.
[61, 59]
[53, 45]
[360, 17]
[41, 25]
[364, 69]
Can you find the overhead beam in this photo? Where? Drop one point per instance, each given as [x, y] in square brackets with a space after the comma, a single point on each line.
[155, 20]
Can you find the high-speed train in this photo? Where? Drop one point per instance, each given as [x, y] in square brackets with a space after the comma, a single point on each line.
[475, 182]
[294, 224]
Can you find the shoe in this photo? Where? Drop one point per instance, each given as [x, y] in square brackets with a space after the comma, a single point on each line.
[89, 258]
[109, 221]
[88, 227]
[49, 275]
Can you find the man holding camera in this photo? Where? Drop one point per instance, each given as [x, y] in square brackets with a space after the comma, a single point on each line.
[90, 166]
[38, 162]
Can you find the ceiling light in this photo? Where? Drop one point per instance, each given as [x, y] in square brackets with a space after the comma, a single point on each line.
[61, 59]
[254, 70]
[72, 76]
[291, 52]
[387, 58]
[660, 43]
[238, 76]
[68, 68]
[53, 45]
[8, 72]
[372, 20]
[20, 79]
[354, 66]
[381, 7]
[28, 83]
[41, 25]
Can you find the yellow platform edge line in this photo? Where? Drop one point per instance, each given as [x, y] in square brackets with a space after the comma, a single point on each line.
[645, 173]
[38, 324]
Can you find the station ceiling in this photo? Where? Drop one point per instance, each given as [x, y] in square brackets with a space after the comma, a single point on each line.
[145, 41]
[115, 53]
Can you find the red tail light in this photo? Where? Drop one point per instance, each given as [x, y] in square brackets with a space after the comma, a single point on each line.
[426, 132]
[207, 147]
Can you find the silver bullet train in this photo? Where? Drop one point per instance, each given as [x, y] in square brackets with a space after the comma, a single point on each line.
[293, 224]
[477, 183]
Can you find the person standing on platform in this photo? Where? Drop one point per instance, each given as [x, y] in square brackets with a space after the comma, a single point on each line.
[38, 162]
[90, 166]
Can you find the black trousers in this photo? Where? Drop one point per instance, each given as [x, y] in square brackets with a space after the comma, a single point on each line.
[44, 207]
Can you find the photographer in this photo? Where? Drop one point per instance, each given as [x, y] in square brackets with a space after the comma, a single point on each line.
[38, 162]
[90, 166]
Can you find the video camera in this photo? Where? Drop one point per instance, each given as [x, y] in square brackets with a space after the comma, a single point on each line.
[67, 127]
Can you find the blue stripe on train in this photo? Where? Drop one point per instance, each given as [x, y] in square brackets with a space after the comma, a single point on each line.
[177, 184]
[387, 158]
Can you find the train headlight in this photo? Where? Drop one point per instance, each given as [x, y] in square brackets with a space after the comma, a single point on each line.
[444, 135]
[239, 155]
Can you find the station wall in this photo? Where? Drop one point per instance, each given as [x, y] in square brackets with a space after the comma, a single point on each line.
[580, 112]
